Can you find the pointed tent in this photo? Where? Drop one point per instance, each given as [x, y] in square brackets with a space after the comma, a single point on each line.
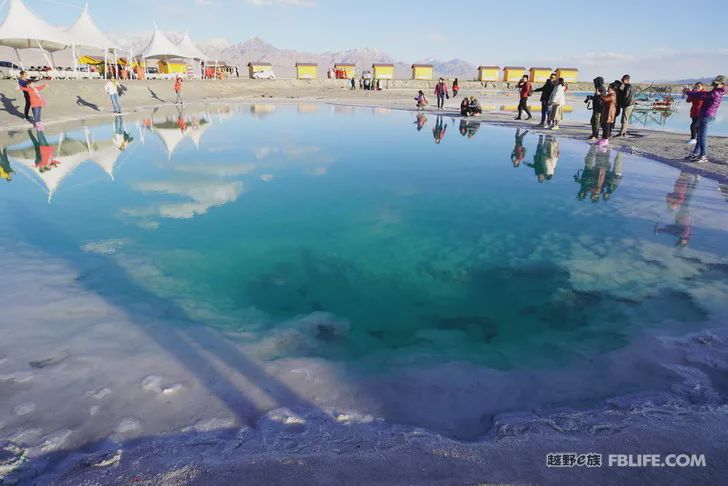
[85, 33]
[170, 135]
[195, 133]
[23, 29]
[190, 49]
[106, 155]
[71, 153]
[160, 47]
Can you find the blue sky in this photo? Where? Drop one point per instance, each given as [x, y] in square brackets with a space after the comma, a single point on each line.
[679, 39]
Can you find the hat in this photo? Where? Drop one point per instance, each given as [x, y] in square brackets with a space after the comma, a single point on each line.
[719, 80]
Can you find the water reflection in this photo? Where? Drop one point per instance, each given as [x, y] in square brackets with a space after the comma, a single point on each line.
[468, 128]
[519, 151]
[679, 201]
[599, 178]
[6, 172]
[546, 157]
[438, 131]
[421, 121]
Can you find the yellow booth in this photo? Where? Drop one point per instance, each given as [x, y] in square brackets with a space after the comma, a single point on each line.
[539, 74]
[306, 70]
[167, 67]
[422, 72]
[383, 71]
[570, 75]
[513, 73]
[488, 73]
[259, 67]
[347, 69]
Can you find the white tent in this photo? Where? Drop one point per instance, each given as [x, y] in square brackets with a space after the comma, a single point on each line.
[106, 155]
[170, 135]
[70, 153]
[195, 132]
[85, 33]
[160, 47]
[23, 29]
[189, 48]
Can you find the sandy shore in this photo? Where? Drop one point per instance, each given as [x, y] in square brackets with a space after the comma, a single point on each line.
[69, 101]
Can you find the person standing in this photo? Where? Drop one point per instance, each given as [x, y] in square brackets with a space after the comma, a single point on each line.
[441, 92]
[112, 89]
[546, 90]
[697, 104]
[455, 88]
[353, 84]
[36, 101]
[556, 103]
[708, 112]
[609, 113]
[596, 105]
[23, 83]
[178, 90]
[524, 88]
[625, 97]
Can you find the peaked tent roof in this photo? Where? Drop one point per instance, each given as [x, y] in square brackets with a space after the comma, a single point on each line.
[70, 153]
[170, 135]
[106, 155]
[160, 46]
[23, 29]
[190, 48]
[85, 33]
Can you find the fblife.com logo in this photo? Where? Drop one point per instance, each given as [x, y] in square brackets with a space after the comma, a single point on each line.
[593, 459]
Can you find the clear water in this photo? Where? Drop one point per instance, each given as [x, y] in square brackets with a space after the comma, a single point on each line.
[354, 227]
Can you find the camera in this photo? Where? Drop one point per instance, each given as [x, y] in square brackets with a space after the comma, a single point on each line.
[589, 98]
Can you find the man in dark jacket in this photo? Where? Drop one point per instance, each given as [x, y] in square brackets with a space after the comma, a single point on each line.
[23, 83]
[597, 104]
[546, 91]
[625, 99]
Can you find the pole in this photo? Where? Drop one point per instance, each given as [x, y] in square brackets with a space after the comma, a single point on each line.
[20, 60]
[75, 61]
[45, 56]
[106, 63]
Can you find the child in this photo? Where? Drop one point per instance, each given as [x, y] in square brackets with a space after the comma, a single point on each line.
[36, 101]
[609, 114]
[421, 100]
[697, 104]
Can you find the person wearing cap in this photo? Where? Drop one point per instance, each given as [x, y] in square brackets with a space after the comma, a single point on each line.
[708, 112]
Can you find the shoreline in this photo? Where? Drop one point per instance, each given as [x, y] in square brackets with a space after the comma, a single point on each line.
[91, 104]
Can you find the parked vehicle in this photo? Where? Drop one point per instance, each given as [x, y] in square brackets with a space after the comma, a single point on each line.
[264, 74]
[9, 70]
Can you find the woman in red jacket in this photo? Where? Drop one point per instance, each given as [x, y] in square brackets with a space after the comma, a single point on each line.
[695, 113]
[609, 114]
[36, 101]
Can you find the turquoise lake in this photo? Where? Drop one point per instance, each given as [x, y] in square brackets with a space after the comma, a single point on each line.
[506, 249]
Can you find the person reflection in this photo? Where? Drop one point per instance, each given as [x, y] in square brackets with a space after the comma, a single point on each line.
[44, 152]
[6, 172]
[421, 121]
[181, 123]
[679, 201]
[121, 137]
[613, 177]
[438, 132]
[519, 151]
[546, 157]
[468, 128]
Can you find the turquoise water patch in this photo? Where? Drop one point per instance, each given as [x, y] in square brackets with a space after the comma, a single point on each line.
[350, 234]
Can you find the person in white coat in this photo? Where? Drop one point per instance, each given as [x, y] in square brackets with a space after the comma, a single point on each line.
[112, 89]
[556, 103]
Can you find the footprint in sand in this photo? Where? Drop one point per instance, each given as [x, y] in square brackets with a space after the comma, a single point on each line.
[98, 394]
[155, 384]
[53, 360]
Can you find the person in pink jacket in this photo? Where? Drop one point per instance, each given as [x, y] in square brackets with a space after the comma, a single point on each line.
[36, 101]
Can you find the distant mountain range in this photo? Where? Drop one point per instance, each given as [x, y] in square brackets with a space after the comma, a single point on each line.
[284, 60]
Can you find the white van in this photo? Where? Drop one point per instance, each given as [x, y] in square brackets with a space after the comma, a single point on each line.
[8, 70]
